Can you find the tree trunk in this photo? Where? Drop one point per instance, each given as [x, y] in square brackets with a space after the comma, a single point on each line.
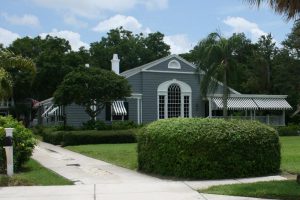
[225, 94]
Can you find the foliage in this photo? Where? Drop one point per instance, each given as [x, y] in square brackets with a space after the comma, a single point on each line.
[32, 173]
[23, 143]
[91, 88]
[133, 50]
[288, 190]
[290, 150]
[115, 125]
[290, 9]
[54, 59]
[90, 137]
[123, 155]
[208, 148]
[289, 130]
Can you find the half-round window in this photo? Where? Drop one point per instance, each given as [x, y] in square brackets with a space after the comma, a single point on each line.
[174, 64]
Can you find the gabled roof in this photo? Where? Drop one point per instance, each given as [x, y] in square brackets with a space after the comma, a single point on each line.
[144, 67]
[136, 70]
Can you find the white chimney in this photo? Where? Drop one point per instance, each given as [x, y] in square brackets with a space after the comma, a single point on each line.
[115, 64]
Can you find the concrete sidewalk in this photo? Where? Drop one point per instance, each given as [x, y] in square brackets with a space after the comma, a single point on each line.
[96, 179]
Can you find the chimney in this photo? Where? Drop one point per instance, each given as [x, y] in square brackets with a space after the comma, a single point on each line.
[115, 64]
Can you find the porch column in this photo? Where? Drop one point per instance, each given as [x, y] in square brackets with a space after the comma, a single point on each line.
[138, 111]
[283, 117]
[209, 108]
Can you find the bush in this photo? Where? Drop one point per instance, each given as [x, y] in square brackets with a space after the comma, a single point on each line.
[23, 143]
[290, 130]
[115, 125]
[208, 148]
[66, 138]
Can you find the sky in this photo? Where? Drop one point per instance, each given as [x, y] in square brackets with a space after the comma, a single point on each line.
[184, 23]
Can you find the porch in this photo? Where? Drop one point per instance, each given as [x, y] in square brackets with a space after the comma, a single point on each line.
[268, 109]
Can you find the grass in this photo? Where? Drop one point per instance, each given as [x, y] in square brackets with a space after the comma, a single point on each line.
[123, 155]
[286, 190]
[290, 154]
[33, 174]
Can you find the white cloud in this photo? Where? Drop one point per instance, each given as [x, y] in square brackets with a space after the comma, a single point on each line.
[179, 43]
[93, 8]
[25, 20]
[72, 37]
[7, 37]
[127, 22]
[72, 20]
[240, 24]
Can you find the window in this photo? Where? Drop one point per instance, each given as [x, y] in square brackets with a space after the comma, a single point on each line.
[186, 108]
[174, 64]
[161, 107]
[111, 114]
[174, 101]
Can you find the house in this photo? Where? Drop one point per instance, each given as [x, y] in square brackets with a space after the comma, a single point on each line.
[170, 87]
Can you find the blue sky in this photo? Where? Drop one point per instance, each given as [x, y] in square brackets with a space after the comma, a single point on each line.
[183, 23]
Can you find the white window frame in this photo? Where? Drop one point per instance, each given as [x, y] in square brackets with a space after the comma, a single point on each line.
[186, 90]
[174, 64]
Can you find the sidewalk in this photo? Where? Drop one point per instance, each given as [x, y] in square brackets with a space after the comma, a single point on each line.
[96, 179]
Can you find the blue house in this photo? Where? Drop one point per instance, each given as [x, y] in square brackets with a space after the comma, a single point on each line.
[170, 87]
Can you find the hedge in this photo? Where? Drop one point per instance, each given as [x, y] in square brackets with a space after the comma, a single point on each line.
[290, 130]
[208, 148]
[23, 143]
[66, 138]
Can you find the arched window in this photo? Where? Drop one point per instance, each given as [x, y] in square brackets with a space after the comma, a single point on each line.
[174, 64]
[174, 99]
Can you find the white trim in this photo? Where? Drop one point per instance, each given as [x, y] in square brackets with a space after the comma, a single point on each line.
[185, 90]
[138, 111]
[174, 64]
[169, 72]
[135, 96]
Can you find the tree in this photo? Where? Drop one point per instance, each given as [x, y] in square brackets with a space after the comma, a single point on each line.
[17, 70]
[6, 84]
[133, 49]
[289, 8]
[91, 88]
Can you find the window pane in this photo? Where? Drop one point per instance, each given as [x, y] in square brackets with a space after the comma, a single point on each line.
[161, 107]
[174, 101]
[186, 106]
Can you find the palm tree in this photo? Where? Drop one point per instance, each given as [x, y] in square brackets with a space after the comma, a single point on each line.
[10, 62]
[217, 62]
[289, 8]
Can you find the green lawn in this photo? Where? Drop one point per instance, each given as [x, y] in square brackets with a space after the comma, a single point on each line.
[33, 174]
[290, 190]
[286, 190]
[123, 155]
[290, 154]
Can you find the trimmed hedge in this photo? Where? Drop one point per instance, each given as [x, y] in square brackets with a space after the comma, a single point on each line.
[66, 138]
[23, 143]
[115, 125]
[208, 148]
[290, 130]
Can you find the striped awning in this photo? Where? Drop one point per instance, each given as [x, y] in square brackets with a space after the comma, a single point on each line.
[272, 104]
[252, 103]
[45, 114]
[119, 108]
[52, 112]
[235, 103]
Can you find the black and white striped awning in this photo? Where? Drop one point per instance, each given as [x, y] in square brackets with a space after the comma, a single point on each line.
[252, 102]
[234, 103]
[119, 108]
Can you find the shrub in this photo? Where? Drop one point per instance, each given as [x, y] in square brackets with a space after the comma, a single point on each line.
[208, 148]
[290, 130]
[115, 125]
[23, 143]
[66, 138]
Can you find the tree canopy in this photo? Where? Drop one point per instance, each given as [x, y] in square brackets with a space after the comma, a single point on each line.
[91, 88]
